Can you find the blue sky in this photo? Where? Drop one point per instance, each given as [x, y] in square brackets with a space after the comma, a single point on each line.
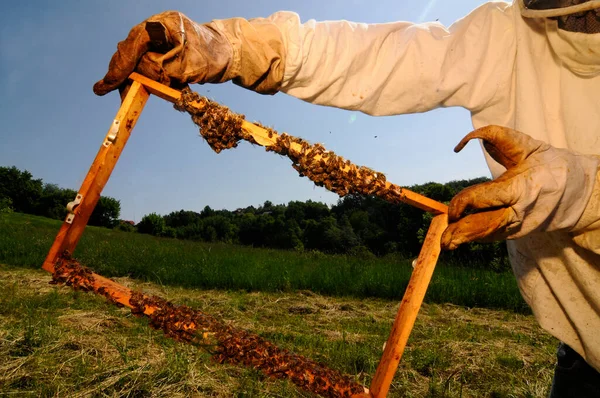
[52, 52]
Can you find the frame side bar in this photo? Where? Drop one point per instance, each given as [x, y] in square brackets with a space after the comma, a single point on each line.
[69, 234]
[409, 307]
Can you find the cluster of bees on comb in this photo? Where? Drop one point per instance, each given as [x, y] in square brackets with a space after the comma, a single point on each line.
[222, 129]
[68, 271]
[326, 169]
[226, 343]
[236, 346]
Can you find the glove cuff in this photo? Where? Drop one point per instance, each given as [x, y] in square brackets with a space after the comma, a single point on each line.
[259, 53]
[590, 218]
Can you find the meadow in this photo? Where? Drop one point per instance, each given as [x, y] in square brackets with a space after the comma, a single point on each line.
[25, 241]
[473, 337]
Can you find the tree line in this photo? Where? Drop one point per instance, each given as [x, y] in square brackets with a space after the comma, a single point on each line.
[355, 225]
[20, 192]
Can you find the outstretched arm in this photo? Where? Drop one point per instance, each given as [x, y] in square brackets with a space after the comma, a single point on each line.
[380, 69]
[400, 67]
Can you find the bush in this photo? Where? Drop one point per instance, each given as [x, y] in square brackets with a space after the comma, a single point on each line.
[169, 232]
[6, 205]
[152, 224]
[361, 252]
[125, 226]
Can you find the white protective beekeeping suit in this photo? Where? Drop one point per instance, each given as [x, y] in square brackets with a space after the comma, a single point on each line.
[522, 73]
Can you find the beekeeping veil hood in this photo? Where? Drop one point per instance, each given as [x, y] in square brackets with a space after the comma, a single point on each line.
[556, 8]
[573, 31]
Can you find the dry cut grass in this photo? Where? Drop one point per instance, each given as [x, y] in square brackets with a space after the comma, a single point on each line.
[56, 342]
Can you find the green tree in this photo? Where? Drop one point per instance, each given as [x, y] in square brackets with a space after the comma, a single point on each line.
[152, 224]
[19, 186]
[29, 195]
[106, 213]
[219, 228]
[190, 231]
[53, 201]
[324, 235]
[207, 212]
[316, 210]
[181, 218]
[292, 238]
[6, 205]
[295, 211]
[125, 226]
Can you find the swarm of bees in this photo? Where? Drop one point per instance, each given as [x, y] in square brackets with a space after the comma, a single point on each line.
[68, 271]
[222, 129]
[332, 171]
[236, 346]
[226, 343]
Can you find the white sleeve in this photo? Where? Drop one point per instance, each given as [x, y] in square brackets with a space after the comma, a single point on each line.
[400, 67]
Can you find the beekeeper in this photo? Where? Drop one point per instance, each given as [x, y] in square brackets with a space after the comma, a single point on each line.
[529, 72]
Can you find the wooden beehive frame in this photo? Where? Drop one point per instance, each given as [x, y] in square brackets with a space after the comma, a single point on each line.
[89, 194]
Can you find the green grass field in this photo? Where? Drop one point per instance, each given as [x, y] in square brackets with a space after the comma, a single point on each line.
[336, 310]
[26, 239]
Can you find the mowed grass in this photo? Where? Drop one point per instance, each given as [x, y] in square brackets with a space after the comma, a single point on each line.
[25, 240]
[58, 342]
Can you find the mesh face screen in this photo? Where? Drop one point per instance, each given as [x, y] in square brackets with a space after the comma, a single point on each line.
[583, 22]
[550, 4]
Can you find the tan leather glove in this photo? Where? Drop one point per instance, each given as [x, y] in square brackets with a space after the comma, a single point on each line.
[171, 48]
[543, 189]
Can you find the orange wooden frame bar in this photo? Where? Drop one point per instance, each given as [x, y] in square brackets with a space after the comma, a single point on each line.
[409, 307]
[99, 173]
[107, 157]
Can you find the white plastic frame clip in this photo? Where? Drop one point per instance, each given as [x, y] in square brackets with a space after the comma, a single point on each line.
[71, 206]
[112, 133]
